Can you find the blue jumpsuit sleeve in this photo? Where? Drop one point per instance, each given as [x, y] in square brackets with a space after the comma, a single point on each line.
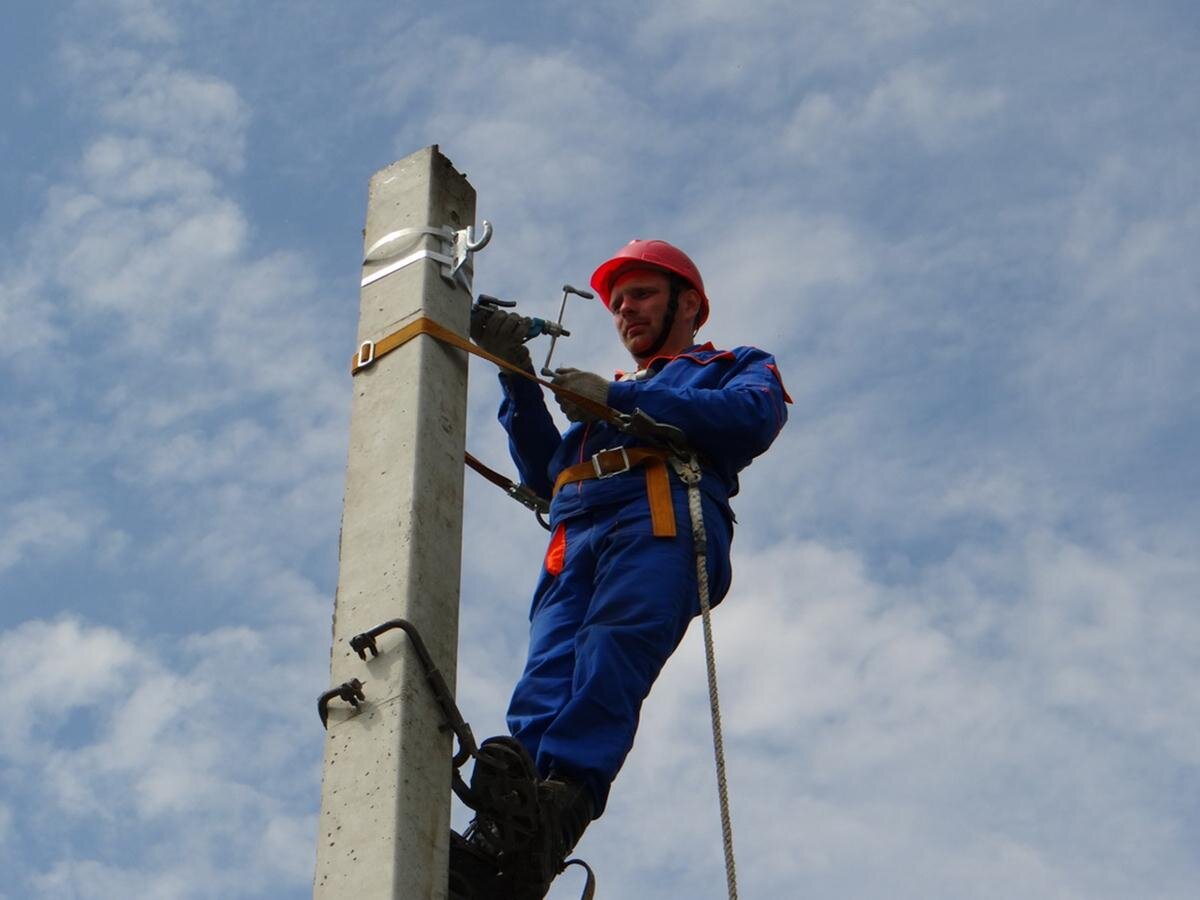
[736, 420]
[532, 435]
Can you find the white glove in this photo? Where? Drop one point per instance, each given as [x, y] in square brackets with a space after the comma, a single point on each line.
[587, 384]
[502, 334]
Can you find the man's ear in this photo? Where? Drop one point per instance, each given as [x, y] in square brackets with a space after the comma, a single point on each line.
[689, 303]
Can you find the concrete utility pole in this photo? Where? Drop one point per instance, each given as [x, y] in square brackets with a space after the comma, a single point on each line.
[385, 797]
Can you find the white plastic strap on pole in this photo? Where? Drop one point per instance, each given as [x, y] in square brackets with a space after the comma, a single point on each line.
[688, 469]
[456, 254]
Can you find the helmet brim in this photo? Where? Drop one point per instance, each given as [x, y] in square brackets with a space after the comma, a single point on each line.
[606, 275]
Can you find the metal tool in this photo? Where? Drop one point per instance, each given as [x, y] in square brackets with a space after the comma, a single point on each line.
[567, 290]
[536, 325]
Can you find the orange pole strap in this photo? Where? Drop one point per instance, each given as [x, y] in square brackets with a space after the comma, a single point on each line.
[369, 352]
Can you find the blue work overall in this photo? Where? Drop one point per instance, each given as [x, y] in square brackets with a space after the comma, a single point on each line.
[613, 601]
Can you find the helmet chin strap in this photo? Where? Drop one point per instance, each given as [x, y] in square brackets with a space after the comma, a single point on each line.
[668, 323]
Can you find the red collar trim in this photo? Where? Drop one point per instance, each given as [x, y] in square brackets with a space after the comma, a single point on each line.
[690, 353]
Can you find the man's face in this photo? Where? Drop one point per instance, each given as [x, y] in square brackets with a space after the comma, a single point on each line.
[638, 301]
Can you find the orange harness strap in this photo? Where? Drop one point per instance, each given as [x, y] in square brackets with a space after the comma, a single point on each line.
[608, 463]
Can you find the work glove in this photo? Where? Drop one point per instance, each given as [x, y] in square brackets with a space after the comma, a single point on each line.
[502, 334]
[587, 384]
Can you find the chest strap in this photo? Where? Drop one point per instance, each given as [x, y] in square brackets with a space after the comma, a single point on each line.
[619, 460]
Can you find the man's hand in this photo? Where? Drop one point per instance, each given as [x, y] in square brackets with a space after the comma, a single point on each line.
[502, 334]
[587, 384]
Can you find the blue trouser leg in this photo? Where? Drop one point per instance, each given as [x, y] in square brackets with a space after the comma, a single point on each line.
[601, 632]
[559, 605]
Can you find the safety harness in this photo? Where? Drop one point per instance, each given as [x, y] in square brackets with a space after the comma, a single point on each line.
[619, 460]
[674, 451]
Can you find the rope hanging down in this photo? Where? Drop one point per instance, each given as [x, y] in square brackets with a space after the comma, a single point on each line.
[686, 466]
[688, 470]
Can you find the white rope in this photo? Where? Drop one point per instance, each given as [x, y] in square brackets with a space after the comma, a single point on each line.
[688, 470]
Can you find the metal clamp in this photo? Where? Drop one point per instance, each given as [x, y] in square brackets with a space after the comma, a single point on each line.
[641, 425]
[524, 495]
[350, 691]
[456, 252]
[602, 474]
[452, 718]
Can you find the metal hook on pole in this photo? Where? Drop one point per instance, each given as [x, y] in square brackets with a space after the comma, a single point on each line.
[465, 245]
[567, 291]
[472, 244]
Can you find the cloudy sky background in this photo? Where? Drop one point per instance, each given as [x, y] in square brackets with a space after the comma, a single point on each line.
[961, 656]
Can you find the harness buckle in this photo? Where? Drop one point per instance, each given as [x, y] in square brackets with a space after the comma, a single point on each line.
[366, 355]
[600, 473]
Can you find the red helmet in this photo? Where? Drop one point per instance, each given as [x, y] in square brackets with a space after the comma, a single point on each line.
[658, 255]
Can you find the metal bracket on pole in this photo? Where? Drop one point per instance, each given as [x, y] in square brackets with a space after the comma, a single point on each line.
[351, 691]
[456, 253]
[362, 643]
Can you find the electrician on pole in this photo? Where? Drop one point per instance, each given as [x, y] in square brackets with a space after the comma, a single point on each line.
[620, 580]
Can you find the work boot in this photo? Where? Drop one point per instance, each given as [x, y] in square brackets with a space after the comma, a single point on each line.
[565, 809]
[474, 874]
[504, 833]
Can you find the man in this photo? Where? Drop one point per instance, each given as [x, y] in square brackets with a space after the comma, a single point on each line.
[618, 586]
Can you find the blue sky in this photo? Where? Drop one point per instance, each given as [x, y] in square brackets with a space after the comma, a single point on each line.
[960, 657]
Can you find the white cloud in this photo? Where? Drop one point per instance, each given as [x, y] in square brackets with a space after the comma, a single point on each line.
[61, 667]
[145, 20]
[179, 324]
[885, 21]
[545, 119]
[924, 99]
[193, 749]
[175, 324]
[1107, 631]
[47, 526]
[133, 170]
[774, 274]
[92, 880]
[287, 847]
[917, 100]
[190, 115]
[1109, 359]
[27, 321]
